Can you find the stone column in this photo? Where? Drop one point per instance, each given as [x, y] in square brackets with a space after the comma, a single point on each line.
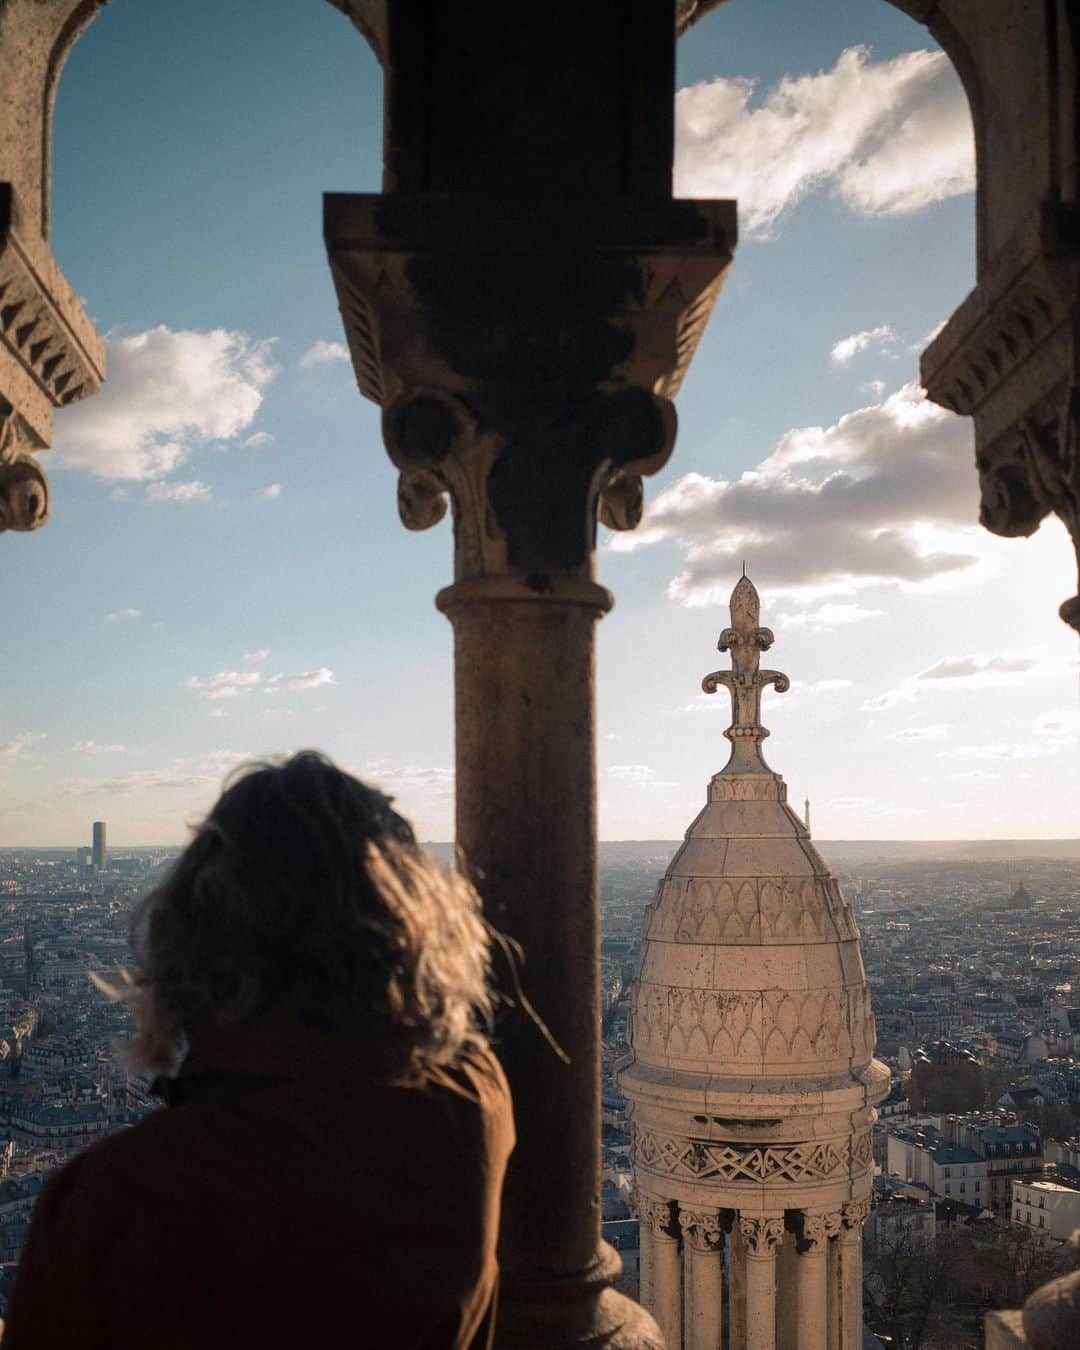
[787, 1293]
[646, 1262]
[665, 1297]
[762, 1235]
[849, 1252]
[703, 1248]
[736, 1289]
[811, 1273]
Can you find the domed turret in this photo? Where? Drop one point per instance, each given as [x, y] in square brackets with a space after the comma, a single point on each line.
[751, 1078]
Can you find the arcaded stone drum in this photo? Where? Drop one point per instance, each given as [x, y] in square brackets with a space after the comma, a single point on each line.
[751, 1077]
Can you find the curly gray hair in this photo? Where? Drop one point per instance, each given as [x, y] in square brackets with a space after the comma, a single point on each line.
[304, 887]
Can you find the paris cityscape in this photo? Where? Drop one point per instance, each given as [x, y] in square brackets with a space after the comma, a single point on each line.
[972, 954]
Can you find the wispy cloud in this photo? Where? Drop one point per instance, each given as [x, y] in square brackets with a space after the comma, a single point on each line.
[225, 684]
[257, 440]
[98, 748]
[936, 731]
[168, 393]
[123, 615]
[827, 617]
[307, 679]
[322, 353]
[15, 745]
[885, 137]
[271, 492]
[394, 777]
[881, 338]
[230, 684]
[256, 658]
[978, 671]
[193, 491]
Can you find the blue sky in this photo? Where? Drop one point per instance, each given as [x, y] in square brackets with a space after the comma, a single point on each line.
[224, 574]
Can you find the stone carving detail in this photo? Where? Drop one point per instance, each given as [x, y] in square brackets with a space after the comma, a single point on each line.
[745, 640]
[700, 1160]
[702, 1229]
[813, 1231]
[853, 1214]
[1034, 470]
[24, 490]
[748, 788]
[659, 1215]
[750, 911]
[762, 1236]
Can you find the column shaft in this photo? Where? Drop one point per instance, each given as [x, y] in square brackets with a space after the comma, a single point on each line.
[850, 1262]
[811, 1299]
[667, 1308]
[760, 1302]
[787, 1296]
[703, 1319]
[646, 1265]
[526, 823]
[736, 1290]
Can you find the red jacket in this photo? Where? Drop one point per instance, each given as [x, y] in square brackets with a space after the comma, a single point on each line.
[305, 1202]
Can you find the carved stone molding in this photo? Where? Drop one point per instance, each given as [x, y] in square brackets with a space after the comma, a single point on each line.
[700, 1160]
[661, 1216]
[762, 1235]
[751, 910]
[525, 357]
[703, 1230]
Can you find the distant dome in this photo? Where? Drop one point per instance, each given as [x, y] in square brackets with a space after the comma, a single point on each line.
[1020, 899]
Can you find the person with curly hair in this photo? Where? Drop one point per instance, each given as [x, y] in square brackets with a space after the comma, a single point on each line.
[313, 992]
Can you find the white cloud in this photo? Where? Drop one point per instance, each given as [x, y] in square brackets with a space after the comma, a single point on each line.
[193, 491]
[323, 353]
[96, 748]
[875, 388]
[1058, 723]
[936, 731]
[637, 776]
[257, 440]
[168, 393]
[225, 684]
[827, 617]
[884, 136]
[256, 658]
[13, 748]
[978, 671]
[408, 777]
[881, 337]
[123, 615]
[308, 679]
[886, 495]
[271, 492]
[996, 750]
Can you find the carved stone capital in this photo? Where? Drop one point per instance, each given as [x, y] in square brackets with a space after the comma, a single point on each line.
[702, 1229]
[525, 357]
[853, 1214]
[24, 489]
[813, 1231]
[1010, 358]
[661, 1216]
[762, 1234]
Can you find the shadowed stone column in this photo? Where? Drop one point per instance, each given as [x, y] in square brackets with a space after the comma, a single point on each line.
[811, 1272]
[762, 1236]
[703, 1246]
[523, 301]
[849, 1252]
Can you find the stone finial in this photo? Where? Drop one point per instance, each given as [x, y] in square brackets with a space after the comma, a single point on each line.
[745, 640]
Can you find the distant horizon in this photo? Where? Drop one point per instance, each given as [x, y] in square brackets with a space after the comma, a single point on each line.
[648, 839]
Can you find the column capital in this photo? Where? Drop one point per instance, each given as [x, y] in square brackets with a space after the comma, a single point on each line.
[661, 1216]
[813, 1231]
[853, 1213]
[703, 1229]
[525, 356]
[762, 1233]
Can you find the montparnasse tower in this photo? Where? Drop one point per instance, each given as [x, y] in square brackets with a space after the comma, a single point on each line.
[751, 1074]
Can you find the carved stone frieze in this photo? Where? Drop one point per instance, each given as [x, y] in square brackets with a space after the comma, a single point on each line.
[525, 357]
[762, 787]
[779, 1027]
[853, 1213]
[762, 1234]
[751, 911]
[702, 1160]
[702, 1229]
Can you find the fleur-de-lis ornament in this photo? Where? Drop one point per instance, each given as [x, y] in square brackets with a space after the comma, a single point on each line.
[745, 640]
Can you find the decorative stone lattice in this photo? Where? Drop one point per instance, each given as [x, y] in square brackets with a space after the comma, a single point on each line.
[700, 1160]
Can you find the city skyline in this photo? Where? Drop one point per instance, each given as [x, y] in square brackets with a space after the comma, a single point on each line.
[179, 604]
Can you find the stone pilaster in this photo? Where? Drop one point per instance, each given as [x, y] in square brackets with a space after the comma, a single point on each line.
[662, 1220]
[813, 1235]
[850, 1269]
[762, 1236]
